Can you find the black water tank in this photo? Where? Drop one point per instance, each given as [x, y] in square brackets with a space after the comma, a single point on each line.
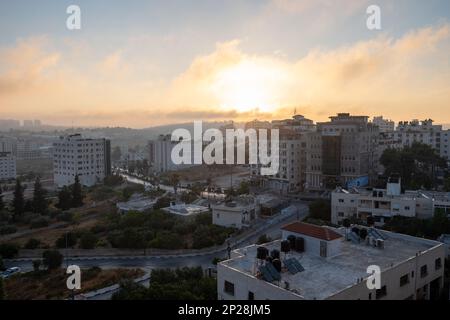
[269, 259]
[275, 254]
[277, 264]
[291, 240]
[356, 230]
[262, 253]
[363, 234]
[299, 244]
[285, 246]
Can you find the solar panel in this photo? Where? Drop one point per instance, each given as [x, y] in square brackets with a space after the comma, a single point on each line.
[288, 264]
[266, 274]
[297, 265]
[377, 234]
[273, 272]
[353, 237]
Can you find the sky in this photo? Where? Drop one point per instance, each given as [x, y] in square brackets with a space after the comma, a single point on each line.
[143, 63]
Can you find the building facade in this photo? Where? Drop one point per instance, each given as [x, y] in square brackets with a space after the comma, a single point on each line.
[329, 266]
[8, 169]
[74, 155]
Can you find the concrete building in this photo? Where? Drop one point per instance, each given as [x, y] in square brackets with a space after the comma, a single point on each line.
[7, 166]
[342, 151]
[239, 213]
[383, 204]
[384, 125]
[74, 155]
[325, 266]
[160, 155]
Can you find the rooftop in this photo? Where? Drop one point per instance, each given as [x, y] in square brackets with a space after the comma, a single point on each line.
[312, 230]
[325, 277]
[184, 209]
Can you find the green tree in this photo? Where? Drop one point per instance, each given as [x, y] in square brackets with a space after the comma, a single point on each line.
[244, 188]
[40, 204]
[18, 203]
[8, 250]
[64, 199]
[36, 265]
[32, 244]
[320, 209]
[88, 240]
[67, 240]
[77, 193]
[52, 259]
[2, 265]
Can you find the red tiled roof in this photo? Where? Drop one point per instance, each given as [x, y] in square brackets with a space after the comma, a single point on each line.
[312, 231]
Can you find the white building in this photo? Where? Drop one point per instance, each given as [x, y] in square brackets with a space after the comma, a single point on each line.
[7, 166]
[137, 203]
[238, 213]
[160, 155]
[74, 155]
[384, 125]
[328, 267]
[383, 204]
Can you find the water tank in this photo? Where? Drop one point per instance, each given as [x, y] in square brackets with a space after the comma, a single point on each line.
[285, 246]
[299, 244]
[275, 254]
[277, 264]
[291, 240]
[356, 230]
[262, 253]
[269, 259]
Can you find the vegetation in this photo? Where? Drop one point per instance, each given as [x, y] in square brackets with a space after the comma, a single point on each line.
[320, 209]
[429, 228]
[162, 230]
[8, 250]
[32, 244]
[2, 204]
[2, 290]
[417, 165]
[39, 202]
[52, 259]
[18, 203]
[77, 193]
[179, 284]
[263, 239]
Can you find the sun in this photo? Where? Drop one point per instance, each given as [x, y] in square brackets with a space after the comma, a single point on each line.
[248, 85]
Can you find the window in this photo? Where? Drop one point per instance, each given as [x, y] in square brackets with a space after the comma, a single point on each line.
[251, 296]
[404, 280]
[380, 293]
[438, 264]
[229, 288]
[423, 271]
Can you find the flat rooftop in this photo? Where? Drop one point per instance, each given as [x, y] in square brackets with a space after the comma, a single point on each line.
[325, 277]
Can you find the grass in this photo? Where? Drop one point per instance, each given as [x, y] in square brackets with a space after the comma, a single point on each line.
[44, 285]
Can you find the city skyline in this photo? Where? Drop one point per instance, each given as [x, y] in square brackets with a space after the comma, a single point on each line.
[162, 63]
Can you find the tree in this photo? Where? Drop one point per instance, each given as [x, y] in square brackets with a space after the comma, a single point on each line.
[320, 209]
[2, 266]
[32, 244]
[8, 250]
[2, 204]
[67, 240]
[88, 240]
[40, 204]
[244, 188]
[174, 180]
[36, 265]
[52, 259]
[77, 193]
[64, 199]
[18, 203]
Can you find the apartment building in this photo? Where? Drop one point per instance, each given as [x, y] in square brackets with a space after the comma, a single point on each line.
[383, 204]
[74, 155]
[239, 212]
[321, 263]
[7, 166]
[384, 125]
[343, 151]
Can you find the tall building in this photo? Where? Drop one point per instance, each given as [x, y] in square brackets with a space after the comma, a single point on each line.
[7, 166]
[384, 125]
[8, 144]
[8, 124]
[74, 155]
[322, 263]
[342, 151]
[160, 155]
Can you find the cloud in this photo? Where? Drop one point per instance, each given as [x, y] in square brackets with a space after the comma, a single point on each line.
[403, 78]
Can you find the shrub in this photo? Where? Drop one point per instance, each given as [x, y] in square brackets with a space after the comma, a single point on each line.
[8, 250]
[88, 241]
[8, 229]
[52, 259]
[32, 244]
[68, 239]
[40, 222]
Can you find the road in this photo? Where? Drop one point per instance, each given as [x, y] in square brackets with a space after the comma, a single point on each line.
[271, 228]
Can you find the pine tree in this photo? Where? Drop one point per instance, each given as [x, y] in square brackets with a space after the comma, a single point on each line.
[77, 194]
[2, 289]
[40, 204]
[18, 203]
[2, 204]
[64, 199]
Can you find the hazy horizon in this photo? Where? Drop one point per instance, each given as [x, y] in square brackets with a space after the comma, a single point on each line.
[142, 63]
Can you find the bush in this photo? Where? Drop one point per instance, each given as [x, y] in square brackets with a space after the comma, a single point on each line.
[8, 229]
[40, 222]
[52, 259]
[8, 250]
[88, 241]
[32, 244]
[65, 216]
[68, 239]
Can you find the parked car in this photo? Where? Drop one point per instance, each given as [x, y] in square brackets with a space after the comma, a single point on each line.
[9, 272]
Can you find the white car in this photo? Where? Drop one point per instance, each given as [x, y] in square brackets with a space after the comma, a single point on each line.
[9, 272]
